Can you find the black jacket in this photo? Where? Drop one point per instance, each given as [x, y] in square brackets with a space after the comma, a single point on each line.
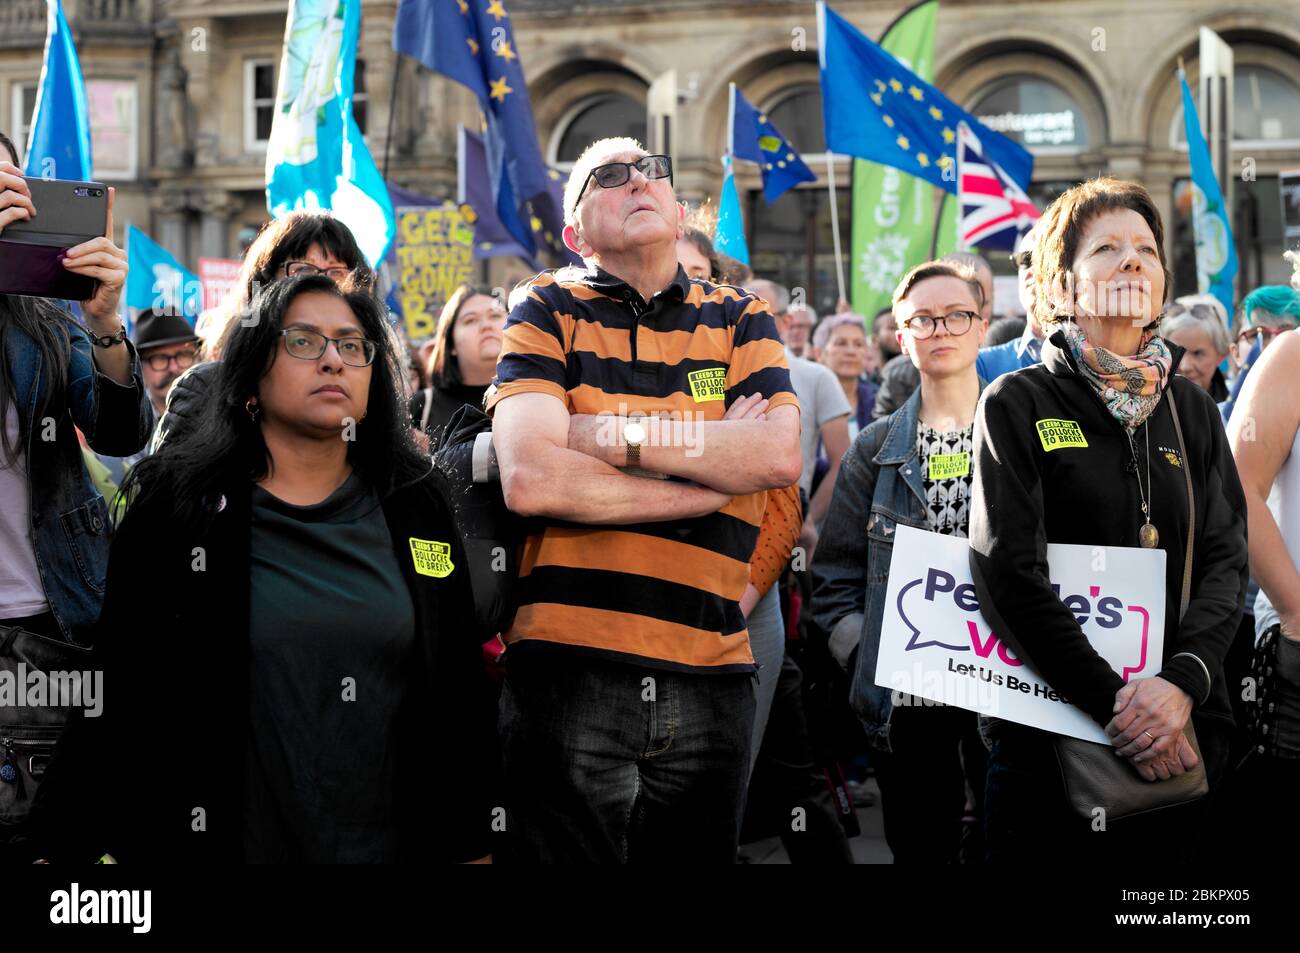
[172, 736]
[184, 403]
[1025, 497]
[443, 402]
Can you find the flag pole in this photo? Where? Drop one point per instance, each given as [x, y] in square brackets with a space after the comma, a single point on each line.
[835, 223]
[731, 119]
[392, 108]
[938, 218]
[830, 156]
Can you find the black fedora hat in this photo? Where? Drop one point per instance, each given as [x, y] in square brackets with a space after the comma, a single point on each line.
[155, 328]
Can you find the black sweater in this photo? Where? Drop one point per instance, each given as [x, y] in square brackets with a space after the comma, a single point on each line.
[173, 645]
[1025, 497]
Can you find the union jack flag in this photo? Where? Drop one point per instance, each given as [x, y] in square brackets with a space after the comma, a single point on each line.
[995, 211]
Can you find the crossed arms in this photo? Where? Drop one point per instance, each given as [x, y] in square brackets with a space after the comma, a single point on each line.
[566, 467]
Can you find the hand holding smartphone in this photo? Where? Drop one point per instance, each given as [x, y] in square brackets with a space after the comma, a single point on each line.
[40, 221]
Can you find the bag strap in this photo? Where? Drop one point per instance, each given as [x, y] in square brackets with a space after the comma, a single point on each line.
[1191, 504]
[428, 406]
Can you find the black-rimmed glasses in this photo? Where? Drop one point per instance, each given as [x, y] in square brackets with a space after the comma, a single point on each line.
[183, 359]
[295, 268]
[613, 174]
[310, 346]
[956, 323]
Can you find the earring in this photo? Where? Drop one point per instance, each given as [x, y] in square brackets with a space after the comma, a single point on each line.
[251, 408]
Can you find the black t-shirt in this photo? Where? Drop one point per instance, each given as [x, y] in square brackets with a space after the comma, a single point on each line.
[331, 649]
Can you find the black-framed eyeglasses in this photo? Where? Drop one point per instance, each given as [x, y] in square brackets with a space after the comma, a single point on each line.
[1022, 259]
[613, 174]
[956, 322]
[183, 359]
[310, 346]
[338, 273]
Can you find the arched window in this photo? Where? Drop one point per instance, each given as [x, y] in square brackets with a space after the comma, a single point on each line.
[1265, 110]
[799, 117]
[599, 117]
[1033, 111]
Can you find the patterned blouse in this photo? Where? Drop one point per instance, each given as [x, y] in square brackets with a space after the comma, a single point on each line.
[946, 472]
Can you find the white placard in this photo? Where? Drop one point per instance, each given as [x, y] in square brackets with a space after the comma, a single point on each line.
[935, 643]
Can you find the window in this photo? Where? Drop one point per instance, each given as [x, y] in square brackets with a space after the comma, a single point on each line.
[1034, 112]
[360, 98]
[1264, 111]
[259, 99]
[799, 117]
[610, 114]
[113, 141]
[22, 106]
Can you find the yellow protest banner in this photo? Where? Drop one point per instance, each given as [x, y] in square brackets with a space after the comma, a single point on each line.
[435, 253]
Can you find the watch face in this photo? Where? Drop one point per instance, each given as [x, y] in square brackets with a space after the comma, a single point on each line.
[634, 433]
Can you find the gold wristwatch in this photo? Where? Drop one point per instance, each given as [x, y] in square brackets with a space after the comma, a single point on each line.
[634, 434]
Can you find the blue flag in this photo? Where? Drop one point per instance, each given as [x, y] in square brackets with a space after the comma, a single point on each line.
[474, 193]
[755, 139]
[473, 42]
[491, 237]
[156, 281]
[59, 144]
[730, 235]
[317, 157]
[875, 108]
[1216, 255]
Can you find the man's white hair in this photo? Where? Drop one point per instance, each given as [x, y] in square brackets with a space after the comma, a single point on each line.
[598, 153]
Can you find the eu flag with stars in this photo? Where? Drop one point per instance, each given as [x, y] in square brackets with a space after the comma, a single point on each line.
[755, 139]
[473, 43]
[877, 109]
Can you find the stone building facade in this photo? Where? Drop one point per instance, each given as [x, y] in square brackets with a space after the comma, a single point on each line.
[181, 92]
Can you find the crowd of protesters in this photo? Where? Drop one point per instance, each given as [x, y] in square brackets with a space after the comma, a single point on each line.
[254, 528]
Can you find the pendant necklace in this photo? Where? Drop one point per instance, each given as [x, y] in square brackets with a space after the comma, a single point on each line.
[1148, 536]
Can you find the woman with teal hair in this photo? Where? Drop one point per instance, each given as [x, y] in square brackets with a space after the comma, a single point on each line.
[1266, 312]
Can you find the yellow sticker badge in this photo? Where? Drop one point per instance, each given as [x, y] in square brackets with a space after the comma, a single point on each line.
[431, 558]
[1056, 433]
[708, 384]
[945, 466]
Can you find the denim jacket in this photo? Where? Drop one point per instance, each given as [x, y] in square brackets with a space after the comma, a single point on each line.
[879, 487]
[69, 518]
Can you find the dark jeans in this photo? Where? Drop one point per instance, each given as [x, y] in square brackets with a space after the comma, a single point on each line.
[1029, 821]
[922, 783]
[607, 762]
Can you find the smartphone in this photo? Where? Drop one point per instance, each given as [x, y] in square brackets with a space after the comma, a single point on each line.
[31, 252]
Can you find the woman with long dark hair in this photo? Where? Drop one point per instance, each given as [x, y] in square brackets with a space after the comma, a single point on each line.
[301, 652]
[464, 358]
[57, 376]
[301, 243]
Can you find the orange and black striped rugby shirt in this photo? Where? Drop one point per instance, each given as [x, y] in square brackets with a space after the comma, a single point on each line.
[660, 594]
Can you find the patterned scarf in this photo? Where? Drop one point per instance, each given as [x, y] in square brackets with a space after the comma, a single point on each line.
[1130, 387]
